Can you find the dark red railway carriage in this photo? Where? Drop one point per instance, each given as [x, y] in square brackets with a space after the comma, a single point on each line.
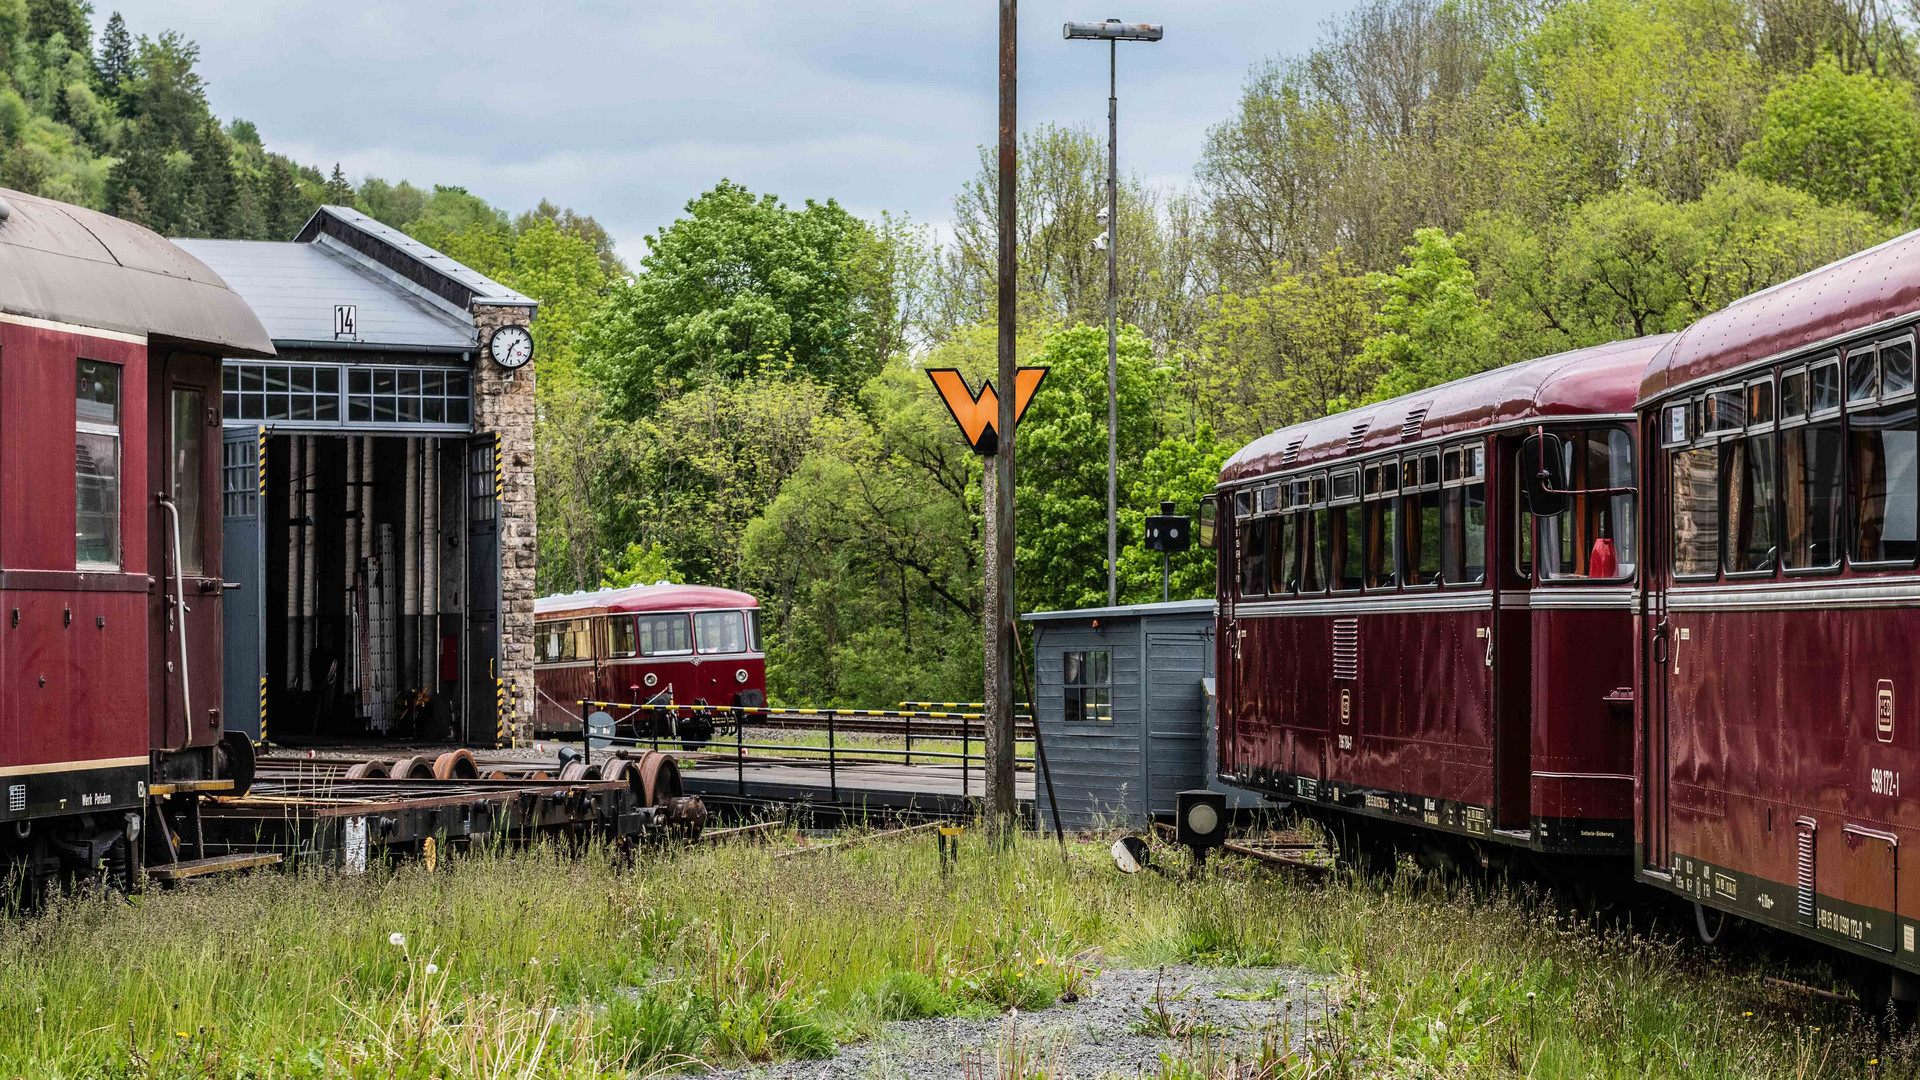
[1777, 646]
[110, 574]
[673, 644]
[1401, 640]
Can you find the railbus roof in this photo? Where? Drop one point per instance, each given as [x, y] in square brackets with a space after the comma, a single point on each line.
[1598, 381]
[66, 264]
[1857, 293]
[660, 596]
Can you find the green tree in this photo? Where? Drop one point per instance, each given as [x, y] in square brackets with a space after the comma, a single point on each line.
[113, 64]
[741, 284]
[338, 191]
[1433, 326]
[1850, 140]
[1182, 470]
[45, 18]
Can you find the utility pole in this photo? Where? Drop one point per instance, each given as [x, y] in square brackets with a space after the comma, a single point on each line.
[997, 496]
[1113, 340]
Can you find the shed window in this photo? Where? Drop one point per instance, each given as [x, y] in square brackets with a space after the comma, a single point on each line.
[720, 632]
[96, 532]
[1086, 680]
[664, 635]
[1885, 485]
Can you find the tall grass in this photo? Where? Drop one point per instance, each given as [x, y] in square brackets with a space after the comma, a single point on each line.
[539, 964]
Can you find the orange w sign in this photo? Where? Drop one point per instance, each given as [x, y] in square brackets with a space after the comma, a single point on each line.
[979, 414]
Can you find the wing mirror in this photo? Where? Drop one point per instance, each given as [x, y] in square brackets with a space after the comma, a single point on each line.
[1543, 469]
[1207, 528]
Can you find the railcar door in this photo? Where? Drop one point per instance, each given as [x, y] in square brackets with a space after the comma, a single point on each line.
[486, 695]
[183, 421]
[243, 488]
[1510, 652]
[1670, 429]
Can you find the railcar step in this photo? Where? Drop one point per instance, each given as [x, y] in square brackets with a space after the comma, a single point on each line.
[1515, 834]
[219, 864]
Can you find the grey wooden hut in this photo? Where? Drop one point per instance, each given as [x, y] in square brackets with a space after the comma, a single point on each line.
[1125, 709]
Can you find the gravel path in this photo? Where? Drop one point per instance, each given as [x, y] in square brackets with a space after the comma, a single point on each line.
[1104, 1034]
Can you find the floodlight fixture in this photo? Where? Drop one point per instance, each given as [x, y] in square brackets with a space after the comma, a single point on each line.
[1112, 30]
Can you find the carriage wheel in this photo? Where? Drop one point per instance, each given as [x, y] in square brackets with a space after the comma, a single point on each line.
[368, 770]
[455, 765]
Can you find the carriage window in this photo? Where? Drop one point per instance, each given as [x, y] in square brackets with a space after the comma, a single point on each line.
[188, 463]
[620, 643]
[1420, 518]
[1793, 394]
[1752, 512]
[1593, 538]
[1379, 522]
[1896, 367]
[1269, 498]
[1760, 402]
[567, 639]
[1824, 386]
[1313, 550]
[753, 630]
[1885, 485]
[1724, 410]
[1253, 558]
[1343, 542]
[1086, 679]
[1863, 374]
[664, 635]
[96, 532]
[1810, 476]
[720, 632]
[1463, 517]
[1696, 511]
[1285, 566]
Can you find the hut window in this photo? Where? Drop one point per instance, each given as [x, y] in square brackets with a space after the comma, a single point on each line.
[97, 466]
[1087, 682]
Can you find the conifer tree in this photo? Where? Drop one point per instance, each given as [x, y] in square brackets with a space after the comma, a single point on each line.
[338, 191]
[113, 66]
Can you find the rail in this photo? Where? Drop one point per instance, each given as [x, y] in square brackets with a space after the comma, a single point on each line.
[739, 715]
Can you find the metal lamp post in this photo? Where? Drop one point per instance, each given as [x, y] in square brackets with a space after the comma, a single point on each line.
[1113, 32]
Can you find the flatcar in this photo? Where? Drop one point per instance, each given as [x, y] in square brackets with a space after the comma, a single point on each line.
[663, 644]
[110, 571]
[1402, 641]
[1776, 646]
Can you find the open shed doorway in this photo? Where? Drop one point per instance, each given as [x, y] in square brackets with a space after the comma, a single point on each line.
[368, 573]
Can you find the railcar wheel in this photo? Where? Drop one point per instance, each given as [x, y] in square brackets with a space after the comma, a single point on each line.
[237, 761]
[1711, 927]
[413, 768]
[623, 769]
[368, 770]
[696, 731]
[578, 770]
[455, 765]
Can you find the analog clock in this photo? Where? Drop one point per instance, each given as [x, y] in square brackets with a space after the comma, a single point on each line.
[511, 346]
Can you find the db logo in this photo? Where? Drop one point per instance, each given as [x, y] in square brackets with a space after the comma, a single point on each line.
[1883, 710]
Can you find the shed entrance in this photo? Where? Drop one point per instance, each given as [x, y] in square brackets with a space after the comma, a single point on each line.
[368, 574]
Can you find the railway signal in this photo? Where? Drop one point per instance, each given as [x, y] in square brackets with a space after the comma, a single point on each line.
[1168, 532]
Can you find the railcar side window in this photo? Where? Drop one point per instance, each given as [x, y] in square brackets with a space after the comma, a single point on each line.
[1696, 511]
[1313, 540]
[664, 635]
[1383, 571]
[97, 466]
[1593, 538]
[1886, 485]
[753, 630]
[620, 642]
[1824, 391]
[1863, 374]
[1463, 516]
[1896, 367]
[1283, 555]
[1086, 680]
[189, 469]
[566, 639]
[1815, 500]
[1344, 533]
[1420, 517]
[720, 632]
[1753, 540]
[1253, 557]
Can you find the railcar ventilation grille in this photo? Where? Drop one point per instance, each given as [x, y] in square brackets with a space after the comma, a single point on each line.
[1803, 877]
[1415, 417]
[1346, 649]
[1292, 452]
[1358, 433]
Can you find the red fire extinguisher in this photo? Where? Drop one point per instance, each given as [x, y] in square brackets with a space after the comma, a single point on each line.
[1601, 562]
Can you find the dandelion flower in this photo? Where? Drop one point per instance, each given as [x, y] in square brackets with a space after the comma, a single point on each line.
[396, 939]
[181, 1034]
[1041, 961]
[433, 969]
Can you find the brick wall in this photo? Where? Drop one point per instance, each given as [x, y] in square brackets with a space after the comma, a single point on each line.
[503, 403]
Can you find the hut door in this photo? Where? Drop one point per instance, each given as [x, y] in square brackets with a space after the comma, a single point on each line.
[486, 694]
[243, 489]
[1176, 714]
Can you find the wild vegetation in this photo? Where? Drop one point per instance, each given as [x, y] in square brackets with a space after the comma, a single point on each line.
[543, 965]
[1435, 188]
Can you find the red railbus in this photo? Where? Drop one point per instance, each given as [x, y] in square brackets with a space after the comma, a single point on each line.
[1776, 650]
[662, 643]
[111, 581]
[1403, 642]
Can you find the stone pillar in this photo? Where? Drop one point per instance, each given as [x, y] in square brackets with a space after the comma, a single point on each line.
[503, 404]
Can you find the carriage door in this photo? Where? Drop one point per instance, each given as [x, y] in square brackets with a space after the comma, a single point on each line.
[1667, 437]
[243, 482]
[184, 422]
[486, 694]
[1510, 539]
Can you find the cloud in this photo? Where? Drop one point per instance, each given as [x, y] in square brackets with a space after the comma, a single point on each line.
[625, 111]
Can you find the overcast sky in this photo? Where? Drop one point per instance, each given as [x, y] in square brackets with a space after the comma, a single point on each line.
[627, 110]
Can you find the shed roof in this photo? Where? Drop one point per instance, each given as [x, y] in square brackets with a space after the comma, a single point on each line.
[660, 596]
[294, 288]
[1175, 607]
[1601, 380]
[353, 227]
[67, 264]
[1838, 299]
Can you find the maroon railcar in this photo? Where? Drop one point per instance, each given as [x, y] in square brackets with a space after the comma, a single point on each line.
[664, 643]
[110, 574]
[1401, 639]
[1776, 709]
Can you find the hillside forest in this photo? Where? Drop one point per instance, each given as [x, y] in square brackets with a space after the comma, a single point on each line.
[1436, 188]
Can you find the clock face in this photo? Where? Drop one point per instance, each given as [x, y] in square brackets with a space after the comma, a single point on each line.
[511, 346]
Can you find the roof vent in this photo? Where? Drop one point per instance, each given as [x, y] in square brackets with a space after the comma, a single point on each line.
[1357, 434]
[1292, 452]
[1415, 417]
